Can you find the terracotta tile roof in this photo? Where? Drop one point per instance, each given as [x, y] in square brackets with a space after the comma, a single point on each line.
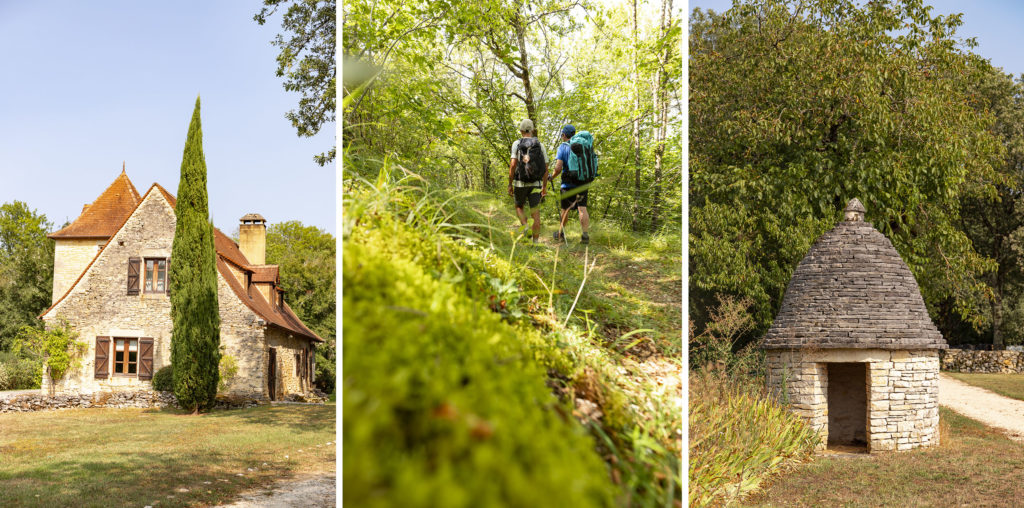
[227, 250]
[282, 317]
[103, 217]
[265, 273]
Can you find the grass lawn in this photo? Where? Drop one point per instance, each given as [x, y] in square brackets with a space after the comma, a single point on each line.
[1007, 385]
[973, 466]
[140, 457]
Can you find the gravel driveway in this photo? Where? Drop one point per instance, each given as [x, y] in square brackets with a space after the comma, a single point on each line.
[313, 491]
[987, 407]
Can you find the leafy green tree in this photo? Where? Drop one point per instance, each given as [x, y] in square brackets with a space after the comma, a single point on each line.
[306, 61]
[795, 108]
[995, 222]
[26, 269]
[195, 337]
[306, 257]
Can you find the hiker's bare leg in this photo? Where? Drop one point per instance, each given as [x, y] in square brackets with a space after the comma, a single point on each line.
[522, 215]
[536, 223]
[584, 219]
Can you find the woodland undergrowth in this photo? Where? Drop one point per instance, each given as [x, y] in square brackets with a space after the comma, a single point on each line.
[478, 373]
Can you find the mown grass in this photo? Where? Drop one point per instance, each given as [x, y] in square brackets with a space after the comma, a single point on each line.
[140, 457]
[1007, 385]
[739, 437]
[973, 465]
[467, 248]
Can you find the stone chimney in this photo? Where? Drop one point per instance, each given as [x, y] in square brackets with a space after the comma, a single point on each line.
[252, 238]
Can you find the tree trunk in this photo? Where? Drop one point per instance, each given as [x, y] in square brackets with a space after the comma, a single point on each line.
[661, 109]
[524, 65]
[486, 169]
[636, 125]
[997, 314]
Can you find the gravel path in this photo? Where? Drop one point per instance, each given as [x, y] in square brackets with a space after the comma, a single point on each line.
[314, 491]
[987, 407]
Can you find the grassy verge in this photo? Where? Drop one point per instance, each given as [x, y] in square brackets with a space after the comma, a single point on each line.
[973, 466]
[140, 457]
[456, 327]
[738, 437]
[1007, 385]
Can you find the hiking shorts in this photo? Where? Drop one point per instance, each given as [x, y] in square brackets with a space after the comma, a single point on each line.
[524, 194]
[574, 201]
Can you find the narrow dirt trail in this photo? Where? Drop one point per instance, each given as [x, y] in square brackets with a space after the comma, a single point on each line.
[987, 407]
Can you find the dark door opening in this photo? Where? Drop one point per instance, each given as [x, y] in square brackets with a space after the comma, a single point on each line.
[272, 374]
[847, 405]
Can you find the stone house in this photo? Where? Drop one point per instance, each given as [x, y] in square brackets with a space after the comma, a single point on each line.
[110, 283]
[853, 349]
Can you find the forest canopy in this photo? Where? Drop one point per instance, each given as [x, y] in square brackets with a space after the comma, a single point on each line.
[798, 107]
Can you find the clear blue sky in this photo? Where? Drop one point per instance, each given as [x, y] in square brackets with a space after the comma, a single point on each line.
[995, 23]
[87, 85]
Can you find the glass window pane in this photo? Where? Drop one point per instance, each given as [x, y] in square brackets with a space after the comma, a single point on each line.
[133, 357]
[149, 264]
[131, 368]
[133, 345]
[149, 283]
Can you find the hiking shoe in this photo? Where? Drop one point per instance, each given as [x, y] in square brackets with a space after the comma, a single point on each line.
[585, 239]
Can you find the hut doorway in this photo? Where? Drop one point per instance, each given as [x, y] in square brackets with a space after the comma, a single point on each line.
[847, 405]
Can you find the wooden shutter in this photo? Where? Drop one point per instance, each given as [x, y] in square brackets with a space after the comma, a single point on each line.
[133, 275]
[167, 279]
[146, 358]
[102, 357]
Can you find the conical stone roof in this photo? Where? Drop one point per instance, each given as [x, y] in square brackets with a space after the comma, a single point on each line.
[852, 290]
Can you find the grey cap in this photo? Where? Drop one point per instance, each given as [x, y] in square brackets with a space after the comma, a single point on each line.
[526, 125]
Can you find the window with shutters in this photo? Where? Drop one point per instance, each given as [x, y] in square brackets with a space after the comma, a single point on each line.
[156, 276]
[126, 356]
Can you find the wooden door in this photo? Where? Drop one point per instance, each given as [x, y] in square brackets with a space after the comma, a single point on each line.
[272, 374]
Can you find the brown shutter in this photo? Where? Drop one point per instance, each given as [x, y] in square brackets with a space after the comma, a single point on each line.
[167, 281]
[102, 357]
[133, 275]
[298, 365]
[146, 358]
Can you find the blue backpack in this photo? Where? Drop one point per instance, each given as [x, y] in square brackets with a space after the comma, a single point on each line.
[582, 159]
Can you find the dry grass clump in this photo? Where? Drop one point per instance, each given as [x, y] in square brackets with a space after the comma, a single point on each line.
[738, 437]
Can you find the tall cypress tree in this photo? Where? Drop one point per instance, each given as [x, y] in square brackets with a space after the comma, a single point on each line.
[195, 338]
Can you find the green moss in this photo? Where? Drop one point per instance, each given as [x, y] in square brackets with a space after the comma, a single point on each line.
[444, 402]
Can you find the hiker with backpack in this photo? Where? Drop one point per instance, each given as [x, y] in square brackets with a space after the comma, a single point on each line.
[577, 163]
[528, 172]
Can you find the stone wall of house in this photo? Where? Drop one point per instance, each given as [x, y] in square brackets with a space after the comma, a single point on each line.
[994, 362]
[70, 257]
[99, 306]
[902, 392]
[242, 337]
[287, 346]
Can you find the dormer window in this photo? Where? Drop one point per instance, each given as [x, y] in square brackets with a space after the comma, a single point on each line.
[156, 276]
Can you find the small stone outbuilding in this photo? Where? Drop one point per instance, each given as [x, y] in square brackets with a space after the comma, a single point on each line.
[853, 349]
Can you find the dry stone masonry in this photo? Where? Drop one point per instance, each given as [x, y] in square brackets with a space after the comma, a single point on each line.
[853, 350]
[991, 362]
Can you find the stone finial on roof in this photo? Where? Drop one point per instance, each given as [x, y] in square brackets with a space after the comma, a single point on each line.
[854, 210]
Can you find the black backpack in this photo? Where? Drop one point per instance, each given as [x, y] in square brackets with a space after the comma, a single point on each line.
[531, 166]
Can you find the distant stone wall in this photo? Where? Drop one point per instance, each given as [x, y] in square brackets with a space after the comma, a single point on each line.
[992, 362]
[141, 399]
[902, 392]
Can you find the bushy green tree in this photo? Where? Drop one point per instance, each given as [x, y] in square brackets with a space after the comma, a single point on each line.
[795, 108]
[195, 338]
[306, 255]
[26, 269]
[306, 61]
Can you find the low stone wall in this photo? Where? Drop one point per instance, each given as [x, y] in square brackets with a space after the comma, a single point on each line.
[143, 399]
[992, 362]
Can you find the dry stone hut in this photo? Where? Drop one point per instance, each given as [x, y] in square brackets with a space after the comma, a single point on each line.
[852, 348]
